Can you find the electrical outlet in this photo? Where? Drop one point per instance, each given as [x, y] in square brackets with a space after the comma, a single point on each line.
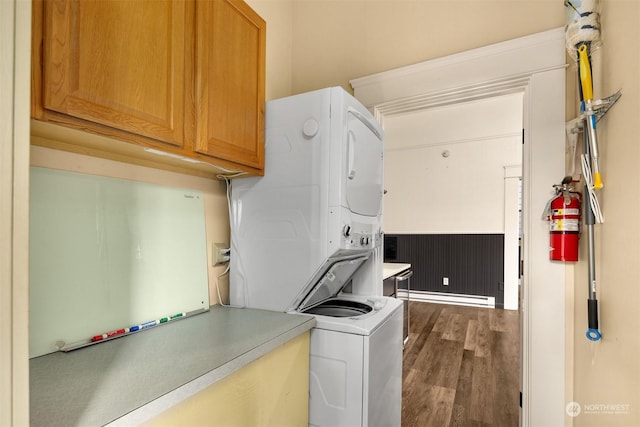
[445, 281]
[221, 253]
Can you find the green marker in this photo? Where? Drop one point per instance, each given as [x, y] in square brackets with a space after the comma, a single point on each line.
[175, 316]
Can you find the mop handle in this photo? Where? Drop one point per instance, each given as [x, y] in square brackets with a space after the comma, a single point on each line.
[587, 94]
[593, 332]
[585, 73]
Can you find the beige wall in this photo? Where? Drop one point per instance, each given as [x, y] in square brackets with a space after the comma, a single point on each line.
[335, 41]
[279, 17]
[609, 372]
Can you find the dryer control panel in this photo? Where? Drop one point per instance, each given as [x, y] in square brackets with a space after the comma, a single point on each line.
[360, 236]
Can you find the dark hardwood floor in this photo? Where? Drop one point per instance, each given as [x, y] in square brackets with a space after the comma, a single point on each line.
[461, 367]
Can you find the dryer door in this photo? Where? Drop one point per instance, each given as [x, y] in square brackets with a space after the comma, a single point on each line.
[364, 166]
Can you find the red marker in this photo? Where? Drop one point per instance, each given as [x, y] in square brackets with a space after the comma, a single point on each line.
[109, 334]
[114, 333]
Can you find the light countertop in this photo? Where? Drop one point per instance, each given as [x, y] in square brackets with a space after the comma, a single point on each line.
[392, 268]
[131, 379]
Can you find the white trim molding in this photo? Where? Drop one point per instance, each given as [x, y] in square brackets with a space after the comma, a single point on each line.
[535, 66]
[448, 298]
[499, 68]
[15, 83]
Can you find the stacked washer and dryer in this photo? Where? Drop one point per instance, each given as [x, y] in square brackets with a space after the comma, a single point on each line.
[307, 238]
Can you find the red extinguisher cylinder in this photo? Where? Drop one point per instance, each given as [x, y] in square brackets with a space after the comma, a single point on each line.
[564, 227]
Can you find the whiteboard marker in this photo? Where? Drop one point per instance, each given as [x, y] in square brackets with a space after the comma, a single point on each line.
[110, 334]
[63, 346]
[145, 325]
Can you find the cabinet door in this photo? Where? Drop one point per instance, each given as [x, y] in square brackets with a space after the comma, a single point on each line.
[230, 72]
[123, 64]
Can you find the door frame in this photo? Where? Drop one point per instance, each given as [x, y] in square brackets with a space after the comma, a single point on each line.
[15, 83]
[534, 65]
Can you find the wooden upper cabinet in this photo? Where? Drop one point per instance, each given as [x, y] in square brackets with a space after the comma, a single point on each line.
[123, 64]
[230, 61]
[182, 76]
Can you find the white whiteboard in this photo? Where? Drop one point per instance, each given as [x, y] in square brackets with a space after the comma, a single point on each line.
[107, 253]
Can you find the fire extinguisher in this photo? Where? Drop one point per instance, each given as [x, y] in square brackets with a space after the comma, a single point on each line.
[564, 222]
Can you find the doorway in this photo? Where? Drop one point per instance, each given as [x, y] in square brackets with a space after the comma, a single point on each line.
[452, 175]
[451, 197]
[533, 65]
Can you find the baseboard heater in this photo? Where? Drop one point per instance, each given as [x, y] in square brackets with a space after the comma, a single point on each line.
[446, 298]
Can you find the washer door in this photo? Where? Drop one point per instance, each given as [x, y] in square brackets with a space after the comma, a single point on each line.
[329, 281]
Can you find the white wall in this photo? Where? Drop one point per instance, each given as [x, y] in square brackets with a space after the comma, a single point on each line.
[444, 167]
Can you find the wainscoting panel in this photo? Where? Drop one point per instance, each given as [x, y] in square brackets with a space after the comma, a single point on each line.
[472, 263]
